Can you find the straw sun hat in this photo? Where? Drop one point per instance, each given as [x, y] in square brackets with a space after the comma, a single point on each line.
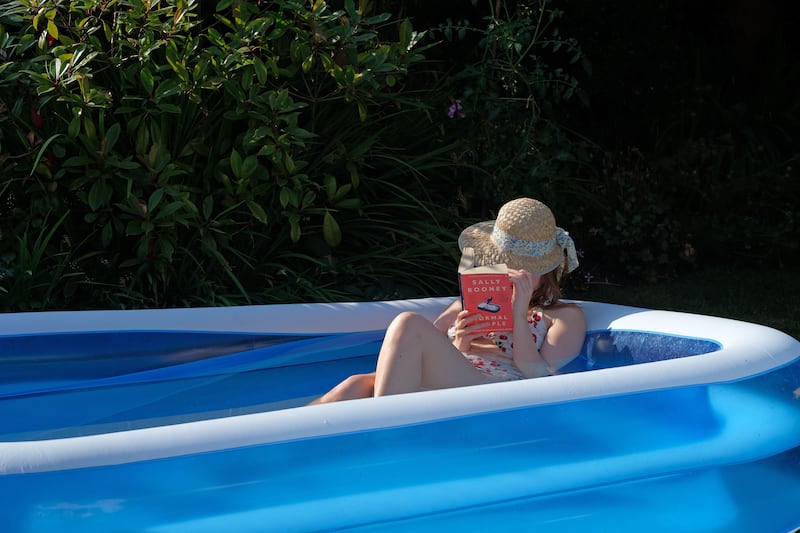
[524, 236]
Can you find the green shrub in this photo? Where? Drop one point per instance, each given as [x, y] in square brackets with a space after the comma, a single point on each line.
[628, 224]
[718, 184]
[693, 164]
[506, 100]
[163, 156]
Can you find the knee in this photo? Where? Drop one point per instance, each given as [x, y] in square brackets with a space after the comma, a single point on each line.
[358, 386]
[408, 321]
[409, 325]
[360, 381]
[352, 388]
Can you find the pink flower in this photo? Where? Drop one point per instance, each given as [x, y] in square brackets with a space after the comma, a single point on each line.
[456, 109]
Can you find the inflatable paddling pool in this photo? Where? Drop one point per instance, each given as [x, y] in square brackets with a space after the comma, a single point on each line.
[195, 420]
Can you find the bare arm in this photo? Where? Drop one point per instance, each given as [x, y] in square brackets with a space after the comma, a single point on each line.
[563, 342]
[526, 356]
[448, 316]
[463, 323]
[564, 338]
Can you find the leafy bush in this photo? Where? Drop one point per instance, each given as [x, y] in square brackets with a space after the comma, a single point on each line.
[506, 100]
[628, 224]
[693, 163]
[157, 155]
[737, 180]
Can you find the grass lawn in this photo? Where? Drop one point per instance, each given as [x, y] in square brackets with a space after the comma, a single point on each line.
[763, 296]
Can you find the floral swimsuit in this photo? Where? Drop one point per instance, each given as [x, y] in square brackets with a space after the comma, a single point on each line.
[506, 371]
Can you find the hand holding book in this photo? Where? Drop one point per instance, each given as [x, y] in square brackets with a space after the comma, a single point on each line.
[486, 292]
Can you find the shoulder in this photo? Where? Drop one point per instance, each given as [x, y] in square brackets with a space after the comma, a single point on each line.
[569, 313]
[566, 333]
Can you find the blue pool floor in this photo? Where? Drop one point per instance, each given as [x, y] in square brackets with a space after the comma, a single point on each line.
[718, 500]
[718, 458]
[668, 460]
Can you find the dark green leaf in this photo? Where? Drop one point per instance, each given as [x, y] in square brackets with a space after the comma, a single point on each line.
[236, 163]
[155, 199]
[111, 137]
[294, 225]
[148, 82]
[169, 209]
[257, 211]
[248, 166]
[99, 194]
[330, 230]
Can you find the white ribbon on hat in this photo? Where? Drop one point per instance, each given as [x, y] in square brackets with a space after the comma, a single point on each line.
[568, 245]
[517, 246]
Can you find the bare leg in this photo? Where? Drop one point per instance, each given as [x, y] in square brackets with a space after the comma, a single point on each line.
[352, 388]
[416, 356]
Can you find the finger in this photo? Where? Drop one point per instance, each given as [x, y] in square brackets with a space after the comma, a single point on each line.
[522, 283]
[470, 328]
[467, 316]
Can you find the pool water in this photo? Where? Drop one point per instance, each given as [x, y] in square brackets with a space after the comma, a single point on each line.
[712, 458]
[110, 381]
[677, 461]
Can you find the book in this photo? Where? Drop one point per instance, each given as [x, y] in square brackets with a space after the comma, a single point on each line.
[486, 291]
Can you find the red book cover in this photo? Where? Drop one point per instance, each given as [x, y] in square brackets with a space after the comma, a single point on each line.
[486, 290]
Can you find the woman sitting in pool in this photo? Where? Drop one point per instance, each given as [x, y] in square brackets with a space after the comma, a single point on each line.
[547, 333]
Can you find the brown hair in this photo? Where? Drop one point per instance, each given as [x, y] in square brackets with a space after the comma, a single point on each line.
[549, 290]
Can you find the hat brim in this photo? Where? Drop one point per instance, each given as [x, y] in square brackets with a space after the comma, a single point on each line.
[478, 237]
